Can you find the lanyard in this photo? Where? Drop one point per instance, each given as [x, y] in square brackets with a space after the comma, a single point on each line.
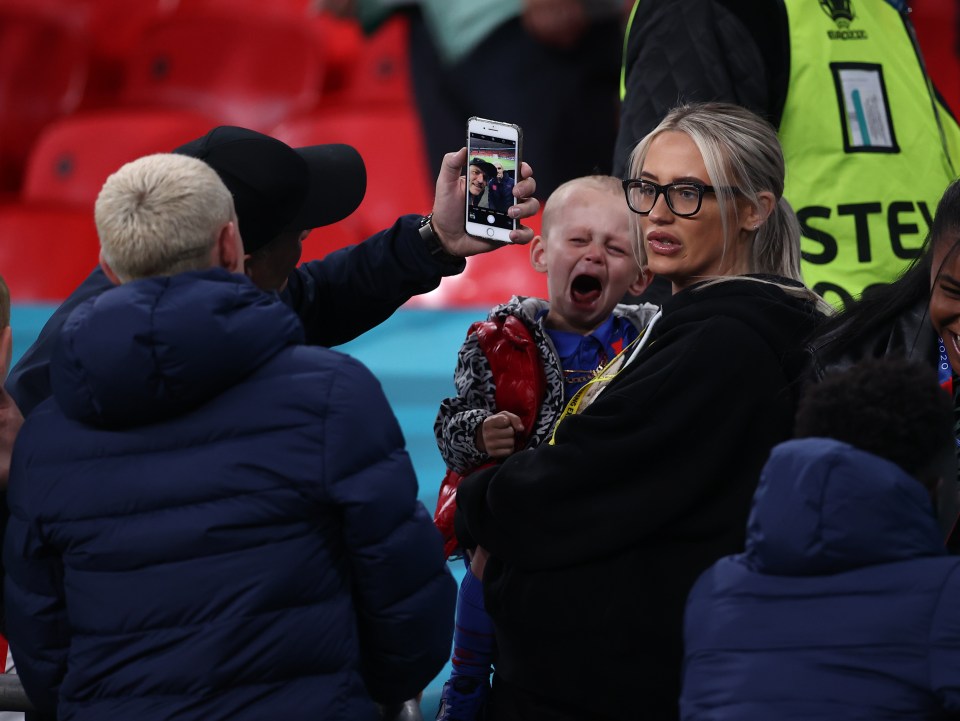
[945, 372]
[604, 375]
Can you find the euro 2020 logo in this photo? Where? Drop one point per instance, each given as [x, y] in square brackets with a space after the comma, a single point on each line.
[840, 10]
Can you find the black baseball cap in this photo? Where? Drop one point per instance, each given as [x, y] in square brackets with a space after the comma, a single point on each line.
[488, 169]
[276, 187]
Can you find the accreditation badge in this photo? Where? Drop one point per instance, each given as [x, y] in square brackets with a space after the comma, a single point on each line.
[864, 108]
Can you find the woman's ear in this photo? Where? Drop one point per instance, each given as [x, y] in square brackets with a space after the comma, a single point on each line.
[756, 215]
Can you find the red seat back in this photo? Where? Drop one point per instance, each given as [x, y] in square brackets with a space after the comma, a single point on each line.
[74, 155]
[43, 72]
[380, 71]
[937, 23]
[247, 71]
[46, 251]
[391, 145]
[112, 28]
[296, 9]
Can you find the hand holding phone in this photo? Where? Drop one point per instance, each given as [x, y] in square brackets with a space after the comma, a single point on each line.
[493, 166]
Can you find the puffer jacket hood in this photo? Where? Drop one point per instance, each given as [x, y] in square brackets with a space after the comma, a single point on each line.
[822, 504]
[127, 358]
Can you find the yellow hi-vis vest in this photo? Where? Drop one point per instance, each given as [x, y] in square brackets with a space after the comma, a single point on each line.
[868, 149]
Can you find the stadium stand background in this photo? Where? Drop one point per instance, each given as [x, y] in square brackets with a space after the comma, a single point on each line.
[87, 85]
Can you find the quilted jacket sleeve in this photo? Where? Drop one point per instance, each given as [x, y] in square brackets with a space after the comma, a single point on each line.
[945, 645]
[37, 623]
[356, 288]
[404, 594]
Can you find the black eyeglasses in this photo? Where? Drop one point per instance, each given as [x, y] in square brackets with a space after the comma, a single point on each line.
[683, 199]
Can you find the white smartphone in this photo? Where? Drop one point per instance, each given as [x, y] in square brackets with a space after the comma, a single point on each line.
[493, 168]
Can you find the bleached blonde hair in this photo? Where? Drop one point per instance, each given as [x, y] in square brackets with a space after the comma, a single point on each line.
[740, 150]
[161, 215]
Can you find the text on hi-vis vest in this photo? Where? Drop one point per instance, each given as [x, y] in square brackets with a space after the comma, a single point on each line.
[903, 233]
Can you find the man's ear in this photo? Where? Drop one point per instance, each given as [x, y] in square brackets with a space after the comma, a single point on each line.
[108, 271]
[538, 252]
[228, 249]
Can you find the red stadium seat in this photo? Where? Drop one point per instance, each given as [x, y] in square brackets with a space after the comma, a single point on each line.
[248, 71]
[48, 241]
[46, 250]
[380, 73]
[112, 29]
[298, 9]
[343, 42]
[937, 23]
[115, 28]
[69, 12]
[74, 155]
[339, 39]
[43, 73]
[391, 145]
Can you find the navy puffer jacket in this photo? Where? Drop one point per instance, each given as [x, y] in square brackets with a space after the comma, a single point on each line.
[211, 521]
[843, 606]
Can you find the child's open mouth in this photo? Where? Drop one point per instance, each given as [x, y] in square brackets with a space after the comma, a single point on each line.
[585, 289]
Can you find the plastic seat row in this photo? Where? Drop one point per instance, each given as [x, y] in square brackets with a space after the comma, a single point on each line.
[114, 28]
[48, 240]
[253, 69]
[183, 79]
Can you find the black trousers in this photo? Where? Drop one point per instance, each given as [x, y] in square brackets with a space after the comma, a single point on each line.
[511, 703]
[566, 101]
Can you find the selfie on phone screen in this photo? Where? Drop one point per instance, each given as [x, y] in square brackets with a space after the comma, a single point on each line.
[493, 163]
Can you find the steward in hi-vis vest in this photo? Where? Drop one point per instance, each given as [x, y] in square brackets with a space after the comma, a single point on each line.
[870, 146]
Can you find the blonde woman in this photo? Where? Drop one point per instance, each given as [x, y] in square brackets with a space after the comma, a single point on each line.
[596, 538]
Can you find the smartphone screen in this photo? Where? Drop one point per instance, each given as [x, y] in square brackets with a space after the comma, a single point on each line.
[493, 163]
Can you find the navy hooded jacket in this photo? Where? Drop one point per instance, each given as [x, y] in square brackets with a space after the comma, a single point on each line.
[844, 605]
[212, 521]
